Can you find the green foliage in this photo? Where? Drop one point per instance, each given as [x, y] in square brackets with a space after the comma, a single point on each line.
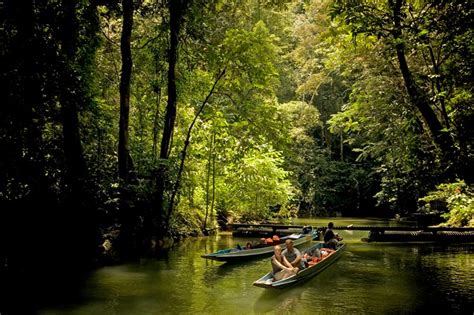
[251, 56]
[311, 117]
[432, 45]
[459, 200]
[379, 120]
[187, 221]
[48, 186]
[255, 184]
[380, 126]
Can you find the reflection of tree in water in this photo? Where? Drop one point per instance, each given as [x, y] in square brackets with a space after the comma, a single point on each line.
[288, 305]
[278, 301]
[439, 276]
[446, 274]
[232, 273]
[215, 271]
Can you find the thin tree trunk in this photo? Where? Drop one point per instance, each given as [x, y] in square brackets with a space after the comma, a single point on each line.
[156, 126]
[208, 178]
[438, 87]
[186, 144]
[125, 77]
[155, 118]
[213, 177]
[341, 144]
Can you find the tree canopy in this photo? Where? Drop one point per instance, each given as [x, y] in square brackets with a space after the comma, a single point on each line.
[142, 120]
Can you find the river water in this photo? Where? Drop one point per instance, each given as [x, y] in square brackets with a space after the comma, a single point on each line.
[372, 278]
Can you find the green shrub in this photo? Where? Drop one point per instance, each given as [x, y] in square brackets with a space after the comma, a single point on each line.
[459, 200]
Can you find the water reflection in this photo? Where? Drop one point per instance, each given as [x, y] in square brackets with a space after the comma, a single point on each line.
[368, 278]
[278, 301]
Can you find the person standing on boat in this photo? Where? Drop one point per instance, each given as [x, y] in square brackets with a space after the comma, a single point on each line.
[293, 255]
[281, 268]
[330, 239]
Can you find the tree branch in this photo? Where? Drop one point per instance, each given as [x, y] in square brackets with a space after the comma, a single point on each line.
[186, 144]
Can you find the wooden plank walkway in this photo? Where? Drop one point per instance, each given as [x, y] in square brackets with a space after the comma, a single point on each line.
[404, 228]
[376, 233]
[274, 227]
[421, 236]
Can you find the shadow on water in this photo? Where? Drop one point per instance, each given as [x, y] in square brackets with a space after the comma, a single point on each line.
[27, 291]
[228, 268]
[217, 271]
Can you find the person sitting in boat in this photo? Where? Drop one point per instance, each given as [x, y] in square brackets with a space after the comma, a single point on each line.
[315, 256]
[281, 268]
[312, 257]
[261, 243]
[293, 255]
[331, 239]
[326, 252]
[248, 246]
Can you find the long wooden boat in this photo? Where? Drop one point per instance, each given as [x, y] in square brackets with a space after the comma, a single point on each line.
[234, 254]
[267, 280]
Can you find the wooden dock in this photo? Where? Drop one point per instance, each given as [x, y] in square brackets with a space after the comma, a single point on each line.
[376, 233]
[264, 230]
[421, 236]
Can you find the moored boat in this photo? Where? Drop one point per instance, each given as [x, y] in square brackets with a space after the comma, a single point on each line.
[312, 270]
[235, 254]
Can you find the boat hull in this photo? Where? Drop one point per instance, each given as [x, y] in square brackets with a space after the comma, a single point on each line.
[303, 275]
[257, 252]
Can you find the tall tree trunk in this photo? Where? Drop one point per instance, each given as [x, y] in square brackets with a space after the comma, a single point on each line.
[127, 240]
[28, 143]
[176, 9]
[27, 197]
[123, 148]
[70, 101]
[417, 96]
[81, 231]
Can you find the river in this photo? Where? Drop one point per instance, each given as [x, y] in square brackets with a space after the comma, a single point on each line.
[372, 278]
